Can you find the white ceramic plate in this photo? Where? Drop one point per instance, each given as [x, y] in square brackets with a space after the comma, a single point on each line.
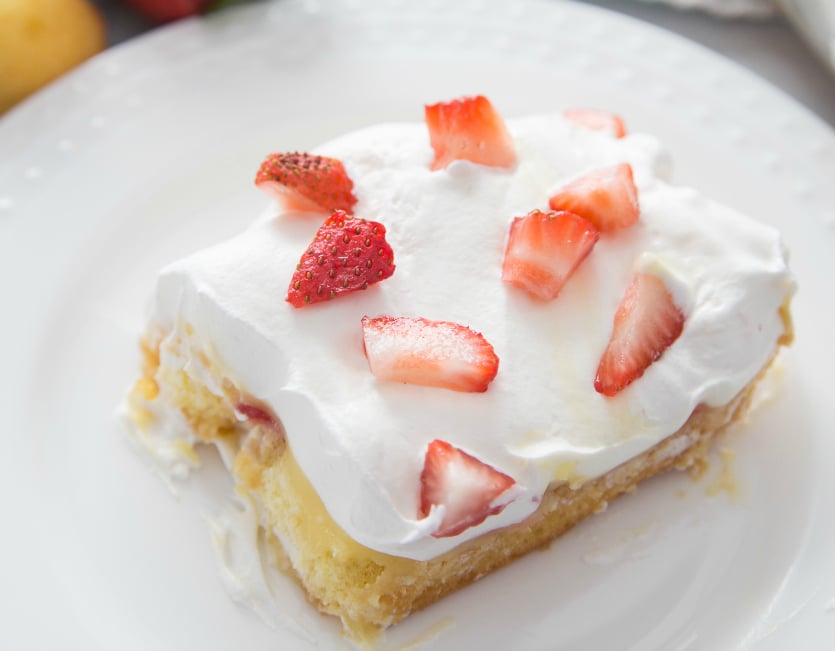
[148, 152]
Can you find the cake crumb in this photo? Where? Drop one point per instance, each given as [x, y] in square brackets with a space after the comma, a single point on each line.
[698, 468]
[428, 635]
[600, 508]
[726, 481]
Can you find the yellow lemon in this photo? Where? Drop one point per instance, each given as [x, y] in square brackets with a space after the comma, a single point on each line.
[41, 39]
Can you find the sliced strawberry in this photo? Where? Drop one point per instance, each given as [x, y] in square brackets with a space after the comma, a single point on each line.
[346, 254]
[306, 182]
[544, 249]
[606, 197]
[597, 121]
[163, 11]
[257, 414]
[647, 322]
[429, 353]
[463, 485]
[469, 129]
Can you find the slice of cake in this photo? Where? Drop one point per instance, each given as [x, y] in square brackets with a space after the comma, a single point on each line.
[446, 343]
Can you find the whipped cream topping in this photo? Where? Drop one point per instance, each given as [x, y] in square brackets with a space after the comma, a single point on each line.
[362, 442]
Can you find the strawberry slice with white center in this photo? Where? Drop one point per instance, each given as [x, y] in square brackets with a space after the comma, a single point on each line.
[463, 485]
[606, 197]
[597, 120]
[347, 254]
[428, 353]
[307, 183]
[544, 249]
[469, 129]
[647, 322]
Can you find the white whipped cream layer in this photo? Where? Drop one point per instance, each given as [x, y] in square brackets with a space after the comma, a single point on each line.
[362, 442]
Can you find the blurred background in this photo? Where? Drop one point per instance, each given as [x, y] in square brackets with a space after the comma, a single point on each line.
[790, 43]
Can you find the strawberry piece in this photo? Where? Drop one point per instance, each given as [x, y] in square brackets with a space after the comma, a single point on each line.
[463, 485]
[647, 322]
[428, 353]
[257, 415]
[163, 11]
[597, 121]
[346, 254]
[544, 249]
[607, 197]
[307, 183]
[469, 129]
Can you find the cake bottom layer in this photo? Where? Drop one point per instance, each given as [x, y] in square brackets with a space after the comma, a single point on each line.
[369, 590]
